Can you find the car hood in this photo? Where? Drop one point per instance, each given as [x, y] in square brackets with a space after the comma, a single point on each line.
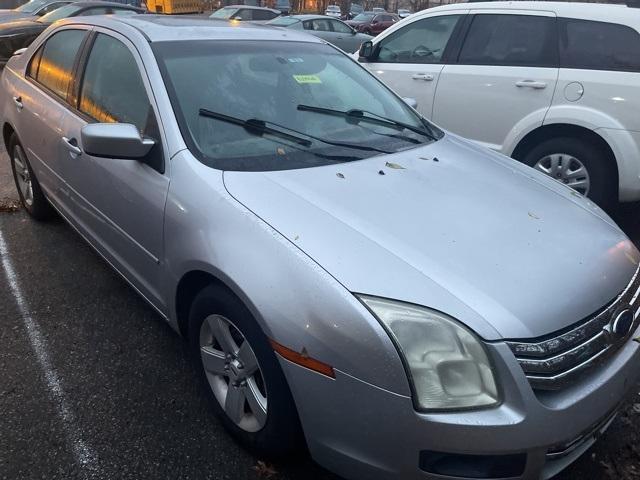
[454, 227]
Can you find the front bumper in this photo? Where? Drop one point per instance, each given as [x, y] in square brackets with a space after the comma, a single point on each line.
[361, 431]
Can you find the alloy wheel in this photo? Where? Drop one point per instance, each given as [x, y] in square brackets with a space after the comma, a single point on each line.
[566, 169]
[234, 373]
[23, 178]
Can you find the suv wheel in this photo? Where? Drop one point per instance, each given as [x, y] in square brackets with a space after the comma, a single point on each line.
[240, 371]
[578, 164]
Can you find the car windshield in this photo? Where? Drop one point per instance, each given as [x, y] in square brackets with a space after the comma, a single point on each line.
[274, 105]
[224, 13]
[364, 17]
[32, 6]
[62, 12]
[283, 21]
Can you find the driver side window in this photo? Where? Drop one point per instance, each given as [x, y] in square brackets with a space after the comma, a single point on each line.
[422, 41]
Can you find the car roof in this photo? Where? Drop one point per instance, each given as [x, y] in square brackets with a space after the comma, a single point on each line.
[160, 28]
[248, 7]
[310, 16]
[97, 3]
[604, 12]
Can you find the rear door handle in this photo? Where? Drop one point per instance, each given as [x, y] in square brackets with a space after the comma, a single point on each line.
[18, 102]
[72, 146]
[422, 76]
[531, 84]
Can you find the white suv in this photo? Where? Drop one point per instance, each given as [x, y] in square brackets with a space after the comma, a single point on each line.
[554, 85]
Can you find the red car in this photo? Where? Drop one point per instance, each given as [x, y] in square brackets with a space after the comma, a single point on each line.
[372, 23]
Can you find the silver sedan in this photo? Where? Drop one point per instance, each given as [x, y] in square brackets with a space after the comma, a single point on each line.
[334, 31]
[352, 279]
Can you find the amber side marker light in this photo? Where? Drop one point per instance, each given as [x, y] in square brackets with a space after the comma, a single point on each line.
[303, 359]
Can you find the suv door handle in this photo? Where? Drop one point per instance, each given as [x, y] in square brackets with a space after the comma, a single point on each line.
[531, 84]
[72, 146]
[18, 102]
[422, 76]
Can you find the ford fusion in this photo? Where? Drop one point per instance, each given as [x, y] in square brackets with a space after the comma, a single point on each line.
[401, 302]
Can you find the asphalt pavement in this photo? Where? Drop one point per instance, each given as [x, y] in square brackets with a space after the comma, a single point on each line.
[94, 384]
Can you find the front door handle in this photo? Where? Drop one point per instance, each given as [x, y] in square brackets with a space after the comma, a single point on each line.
[422, 76]
[531, 84]
[18, 102]
[72, 146]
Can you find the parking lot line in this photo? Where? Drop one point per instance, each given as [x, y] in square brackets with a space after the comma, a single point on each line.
[84, 457]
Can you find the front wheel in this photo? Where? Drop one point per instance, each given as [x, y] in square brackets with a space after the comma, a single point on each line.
[241, 374]
[579, 164]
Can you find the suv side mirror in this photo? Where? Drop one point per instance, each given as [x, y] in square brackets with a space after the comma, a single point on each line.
[366, 50]
[115, 140]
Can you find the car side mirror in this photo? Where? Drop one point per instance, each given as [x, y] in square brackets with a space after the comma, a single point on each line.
[20, 51]
[374, 22]
[366, 50]
[236, 17]
[115, 140]
[412, 102]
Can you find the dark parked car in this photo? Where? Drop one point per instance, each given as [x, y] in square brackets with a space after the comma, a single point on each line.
[334, 31]
[245, 13]
[373, 23]
[34, 8]
[20, 33]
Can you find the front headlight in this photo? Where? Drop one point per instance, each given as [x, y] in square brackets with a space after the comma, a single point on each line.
[447, 365]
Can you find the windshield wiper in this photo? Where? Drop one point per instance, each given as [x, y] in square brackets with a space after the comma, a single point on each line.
[255, 127]
[358, 115]
[259, 127]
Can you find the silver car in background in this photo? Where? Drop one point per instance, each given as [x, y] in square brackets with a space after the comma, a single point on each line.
[334, 31]
[403, 302]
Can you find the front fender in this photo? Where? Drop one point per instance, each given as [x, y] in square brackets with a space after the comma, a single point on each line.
[295, 301]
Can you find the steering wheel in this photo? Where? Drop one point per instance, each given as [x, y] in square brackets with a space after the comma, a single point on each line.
[423, 52]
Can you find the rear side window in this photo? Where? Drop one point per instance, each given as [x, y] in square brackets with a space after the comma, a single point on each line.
[598, 46]
[52, 66]
[510, 40]
[422, 41]
[112, 88]
[340, 27]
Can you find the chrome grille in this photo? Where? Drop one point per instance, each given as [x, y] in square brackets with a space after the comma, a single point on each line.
[551, 363]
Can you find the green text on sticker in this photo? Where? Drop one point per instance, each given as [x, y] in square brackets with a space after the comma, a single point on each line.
[307, 79]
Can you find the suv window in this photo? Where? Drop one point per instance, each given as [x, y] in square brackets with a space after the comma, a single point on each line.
[598, 45]
[52, 65]
[263, 15]
[422, 41]
[510, 40]
[112, 88]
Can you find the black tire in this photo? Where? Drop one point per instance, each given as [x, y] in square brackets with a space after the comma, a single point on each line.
[601, 167]
[38, 207]
[282, 434]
